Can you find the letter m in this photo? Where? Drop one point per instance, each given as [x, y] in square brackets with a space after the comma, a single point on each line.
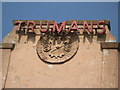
[59, 28]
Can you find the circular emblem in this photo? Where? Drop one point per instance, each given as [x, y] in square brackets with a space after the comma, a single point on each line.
[56, 48]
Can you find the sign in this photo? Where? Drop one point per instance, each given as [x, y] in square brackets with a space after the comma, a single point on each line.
[60, 42]
[66, 26]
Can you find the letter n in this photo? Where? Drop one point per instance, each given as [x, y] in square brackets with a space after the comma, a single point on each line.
[86, 26]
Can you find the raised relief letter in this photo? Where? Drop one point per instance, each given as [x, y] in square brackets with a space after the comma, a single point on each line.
[101, 27]
[44, 30]
[19, 24]
[59, 29]
[29, 23]
[86, 26]
[74, 26]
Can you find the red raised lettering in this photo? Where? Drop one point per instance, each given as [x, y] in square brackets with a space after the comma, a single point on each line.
[28, 26]
[86, 26]
[19, 24]
[59, 29]
[74, 26]
[100, 27]
[44, 30]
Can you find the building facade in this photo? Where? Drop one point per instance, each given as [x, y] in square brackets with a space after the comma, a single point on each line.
[72, 54]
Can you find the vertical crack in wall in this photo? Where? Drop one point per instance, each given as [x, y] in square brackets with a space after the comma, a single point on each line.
[101, 86]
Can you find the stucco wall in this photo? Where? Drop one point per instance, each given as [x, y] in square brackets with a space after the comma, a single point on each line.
[89, 68]
[83, 70]
[110, 68]
[5, 62]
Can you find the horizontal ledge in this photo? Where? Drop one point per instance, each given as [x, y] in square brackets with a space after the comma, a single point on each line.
[7, 45]
[110, 45]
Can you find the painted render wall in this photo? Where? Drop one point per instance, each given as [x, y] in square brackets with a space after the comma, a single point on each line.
[5, 64]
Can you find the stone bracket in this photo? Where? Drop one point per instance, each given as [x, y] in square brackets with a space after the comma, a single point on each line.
[110, 45]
